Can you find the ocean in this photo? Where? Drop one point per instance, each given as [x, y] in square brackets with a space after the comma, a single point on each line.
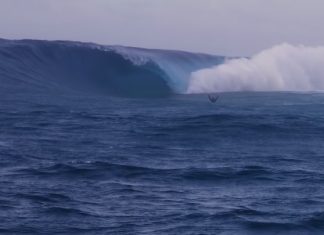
[84, 155]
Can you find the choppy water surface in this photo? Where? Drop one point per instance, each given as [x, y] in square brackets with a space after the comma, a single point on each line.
[253, 163]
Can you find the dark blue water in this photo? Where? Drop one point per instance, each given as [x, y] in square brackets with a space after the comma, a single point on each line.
[253, 163]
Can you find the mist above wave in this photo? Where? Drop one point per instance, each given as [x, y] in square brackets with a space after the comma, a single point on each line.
[283, 67]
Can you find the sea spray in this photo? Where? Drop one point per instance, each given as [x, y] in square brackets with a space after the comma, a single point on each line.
[282, 68]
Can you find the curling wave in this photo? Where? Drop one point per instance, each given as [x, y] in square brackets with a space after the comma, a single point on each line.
[282, 68]
[28, 65]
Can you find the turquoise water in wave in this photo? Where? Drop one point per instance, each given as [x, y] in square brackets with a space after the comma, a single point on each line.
[250, 164]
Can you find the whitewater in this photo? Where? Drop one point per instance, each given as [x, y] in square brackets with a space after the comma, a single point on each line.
[99, 139]
[282, 68]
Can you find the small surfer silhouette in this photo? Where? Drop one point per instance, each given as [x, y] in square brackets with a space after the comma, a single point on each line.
[213, 98]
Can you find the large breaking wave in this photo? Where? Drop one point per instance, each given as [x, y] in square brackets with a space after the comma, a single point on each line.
[35, 65]
[30, 65]
[282, 68]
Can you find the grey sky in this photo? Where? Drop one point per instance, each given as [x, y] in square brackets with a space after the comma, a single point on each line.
[228, 27]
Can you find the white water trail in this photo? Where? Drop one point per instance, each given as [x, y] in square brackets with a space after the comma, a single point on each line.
[282, 68]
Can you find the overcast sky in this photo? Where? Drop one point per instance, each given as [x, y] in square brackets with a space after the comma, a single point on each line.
[227, 27]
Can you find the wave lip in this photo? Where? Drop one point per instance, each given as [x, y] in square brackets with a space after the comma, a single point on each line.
[282, 68]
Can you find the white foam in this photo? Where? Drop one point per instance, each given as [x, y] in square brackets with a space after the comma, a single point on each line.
[282, 68]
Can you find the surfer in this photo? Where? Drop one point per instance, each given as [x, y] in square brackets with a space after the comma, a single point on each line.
[213, 98]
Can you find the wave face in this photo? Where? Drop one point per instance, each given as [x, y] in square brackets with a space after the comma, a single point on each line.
[44, 65]
[282, 68]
